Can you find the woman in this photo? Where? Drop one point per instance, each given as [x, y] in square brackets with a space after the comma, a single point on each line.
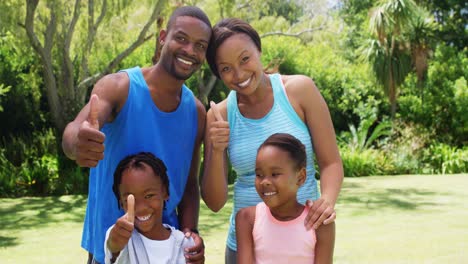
[258, 106]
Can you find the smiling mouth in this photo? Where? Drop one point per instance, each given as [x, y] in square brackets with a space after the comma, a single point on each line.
[269, 193]
[143, 218]
[186, 62]
[244, 83]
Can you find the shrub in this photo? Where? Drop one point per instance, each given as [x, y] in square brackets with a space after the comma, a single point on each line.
[29, 165]
[404, 147]
[442, 158]
[365, 162]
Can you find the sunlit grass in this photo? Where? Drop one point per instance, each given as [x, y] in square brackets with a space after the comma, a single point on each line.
[385, 219]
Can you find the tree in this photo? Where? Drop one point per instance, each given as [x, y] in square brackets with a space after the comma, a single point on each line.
[451, 17]
[401, 32]
[51, 32]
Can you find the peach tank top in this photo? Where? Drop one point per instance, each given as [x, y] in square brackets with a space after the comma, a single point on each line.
[282, 241]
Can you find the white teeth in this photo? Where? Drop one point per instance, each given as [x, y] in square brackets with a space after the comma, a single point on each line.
[244, 83]
[269, 193]
[184, 61]
[143, 218]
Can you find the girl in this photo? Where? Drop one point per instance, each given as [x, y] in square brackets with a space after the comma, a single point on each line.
[141, 186]
[280, 171]
[258, 106]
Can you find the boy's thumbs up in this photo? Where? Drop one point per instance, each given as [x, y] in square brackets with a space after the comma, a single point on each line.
[216, 112]
[131, 208]
[94, 111]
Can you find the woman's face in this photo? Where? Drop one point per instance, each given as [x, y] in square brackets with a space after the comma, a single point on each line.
[238, 63]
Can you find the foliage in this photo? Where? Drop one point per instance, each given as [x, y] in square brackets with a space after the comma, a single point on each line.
[445, 159]
[362, 163]
[401, 30]
[445, 97]
[3, 91]
[404, 147]
[20, 72]
[451, 17]
[29, 166]
[357, 147]
[362, 137]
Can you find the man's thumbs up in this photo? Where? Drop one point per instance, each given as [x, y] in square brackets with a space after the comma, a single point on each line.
[93, 117]
[89, 146]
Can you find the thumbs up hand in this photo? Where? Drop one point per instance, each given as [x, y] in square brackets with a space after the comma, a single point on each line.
[89, 147]
[122, 231]
[219, 130]
[94, 111]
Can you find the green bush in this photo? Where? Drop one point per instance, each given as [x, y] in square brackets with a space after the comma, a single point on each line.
[365, 162]
[30, 166]
[442, 103]
[404, 147]
[442, 158]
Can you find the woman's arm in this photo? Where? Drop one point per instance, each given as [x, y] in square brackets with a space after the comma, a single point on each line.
[312, 108]
[214, 185]
[244, 225]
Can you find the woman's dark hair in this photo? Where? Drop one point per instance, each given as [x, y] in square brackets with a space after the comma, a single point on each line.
[291, 145]
[222, 31]
[191, 11]
[136, 161]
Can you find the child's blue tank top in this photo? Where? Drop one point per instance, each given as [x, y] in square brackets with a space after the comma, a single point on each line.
[140, 126]
[246, 135]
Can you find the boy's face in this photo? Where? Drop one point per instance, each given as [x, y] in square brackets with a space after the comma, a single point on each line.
[184, 46]
[149, 193]
[277, 179]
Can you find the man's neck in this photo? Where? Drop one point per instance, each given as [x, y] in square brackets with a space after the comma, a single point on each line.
[158, 79]
[165, 90]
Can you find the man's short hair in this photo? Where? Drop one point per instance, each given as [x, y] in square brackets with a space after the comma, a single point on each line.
[191, 11]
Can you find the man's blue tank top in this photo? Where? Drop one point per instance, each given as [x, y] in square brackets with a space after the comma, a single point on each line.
[246, 135]
[140, 126]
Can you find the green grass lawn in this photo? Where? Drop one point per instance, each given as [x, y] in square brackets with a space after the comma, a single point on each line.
[384, 219]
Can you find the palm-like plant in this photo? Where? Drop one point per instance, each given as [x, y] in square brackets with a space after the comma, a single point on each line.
[362, 137]
[398, 38]
[421, 40]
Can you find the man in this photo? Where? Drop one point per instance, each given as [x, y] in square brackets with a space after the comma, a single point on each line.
[148, 109]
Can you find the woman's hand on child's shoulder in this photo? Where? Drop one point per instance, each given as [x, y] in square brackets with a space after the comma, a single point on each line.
[321, 211]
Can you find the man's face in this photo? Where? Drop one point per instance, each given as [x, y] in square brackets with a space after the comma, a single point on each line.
[185, 45]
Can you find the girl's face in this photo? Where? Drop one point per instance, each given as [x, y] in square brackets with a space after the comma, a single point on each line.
[277, 178]
[149, 193]
[238, 63]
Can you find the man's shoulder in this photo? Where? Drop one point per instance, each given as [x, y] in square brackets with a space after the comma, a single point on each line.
[113, 88]
[114, 80]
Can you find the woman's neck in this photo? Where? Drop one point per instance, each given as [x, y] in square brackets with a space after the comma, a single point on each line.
[259, 103]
